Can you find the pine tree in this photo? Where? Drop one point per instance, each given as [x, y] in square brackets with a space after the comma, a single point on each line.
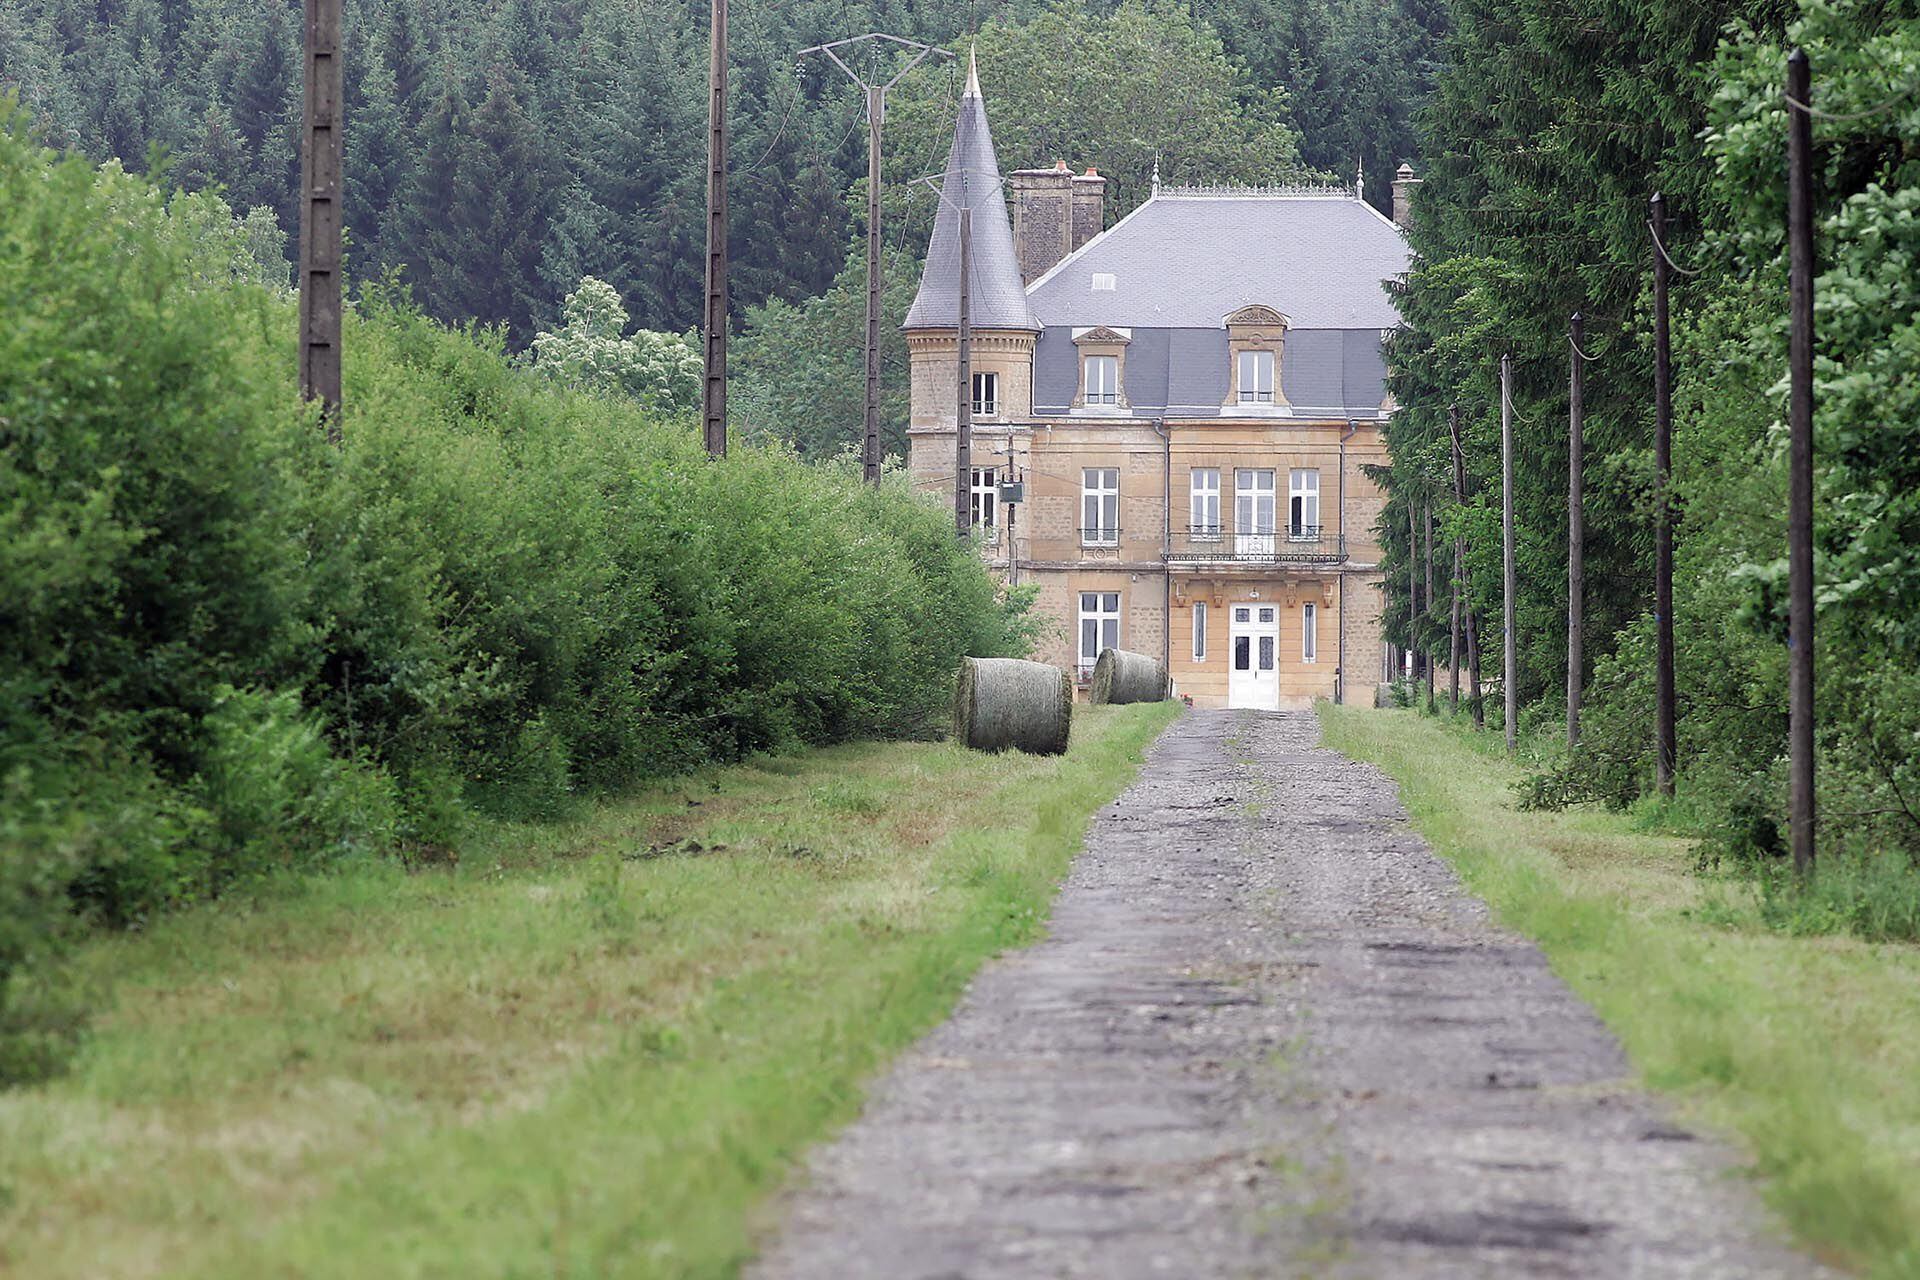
[479, 209]
[264, 106]
[378, 166]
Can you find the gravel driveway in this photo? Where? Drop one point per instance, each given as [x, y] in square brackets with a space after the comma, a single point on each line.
[1268, 1035]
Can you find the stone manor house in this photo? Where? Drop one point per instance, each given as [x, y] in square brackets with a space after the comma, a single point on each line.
[1187, 401]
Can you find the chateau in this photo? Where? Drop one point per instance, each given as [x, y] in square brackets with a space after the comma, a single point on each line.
[1171, 418]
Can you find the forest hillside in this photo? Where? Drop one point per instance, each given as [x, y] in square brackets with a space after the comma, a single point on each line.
[498, 153]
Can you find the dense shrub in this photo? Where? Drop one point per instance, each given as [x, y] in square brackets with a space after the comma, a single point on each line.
[226, 647]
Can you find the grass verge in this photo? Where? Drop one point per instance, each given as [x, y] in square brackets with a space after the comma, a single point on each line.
[1809, 1048]
[588, 1051]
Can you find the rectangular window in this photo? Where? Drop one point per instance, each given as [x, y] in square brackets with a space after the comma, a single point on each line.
[985, 497]
[1253, 514]
[1203, 512]
[1303, 505]
[1309, 633]
[1099, 626]
[1100, 506]
[986, 394]
[1105, 282]
[1103, 379]
[1256, 377]
[1199, 631]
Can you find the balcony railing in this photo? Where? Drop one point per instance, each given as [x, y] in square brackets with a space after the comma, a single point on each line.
[1301, 544]
[1108, 536]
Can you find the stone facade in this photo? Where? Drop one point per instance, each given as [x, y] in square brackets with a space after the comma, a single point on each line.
[1264, 590]
[1042, 541]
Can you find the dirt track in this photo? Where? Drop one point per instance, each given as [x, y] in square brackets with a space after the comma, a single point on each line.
[1268, 1035]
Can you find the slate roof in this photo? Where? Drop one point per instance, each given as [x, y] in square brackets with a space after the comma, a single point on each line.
[1326, 373]
[998, 299]
[1184, 261]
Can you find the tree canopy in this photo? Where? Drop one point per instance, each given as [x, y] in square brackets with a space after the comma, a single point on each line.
[498, 154]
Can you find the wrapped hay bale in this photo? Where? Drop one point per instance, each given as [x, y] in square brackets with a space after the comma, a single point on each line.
[1120, 677]
[1006, 703]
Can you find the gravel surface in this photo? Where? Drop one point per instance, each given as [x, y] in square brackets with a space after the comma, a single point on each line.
[1268, 1035]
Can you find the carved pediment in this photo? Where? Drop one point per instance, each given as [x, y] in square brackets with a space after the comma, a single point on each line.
[1258, 315]
[1104, 336]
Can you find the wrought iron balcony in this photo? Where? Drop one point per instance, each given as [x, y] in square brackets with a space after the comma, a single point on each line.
[1213, 544]
[1108, 536]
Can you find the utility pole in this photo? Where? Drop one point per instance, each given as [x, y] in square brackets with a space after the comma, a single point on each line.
[1510, 664]
[1576, 521]
[1800, 459]
[1461, 585]
[1413, 588]
[1666, 741]
[322, 157]
[713, 397]
[876, 117]
[963, 416]
[1426, 509]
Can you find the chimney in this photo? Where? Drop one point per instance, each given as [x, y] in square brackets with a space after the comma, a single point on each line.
[1403, 184]
[1089, 206]
[1042, 218]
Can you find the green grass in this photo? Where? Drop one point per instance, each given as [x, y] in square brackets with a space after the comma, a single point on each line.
[587, 1051]
[1806, 1048]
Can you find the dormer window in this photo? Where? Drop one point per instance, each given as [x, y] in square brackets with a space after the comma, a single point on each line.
[1105, 282]
[1103, 379]
[1256, 346]
[1256, 377]
[1103, 372]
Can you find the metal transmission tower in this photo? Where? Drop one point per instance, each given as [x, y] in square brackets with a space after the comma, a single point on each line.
[322, 154]
[876, 117]
[713, 395]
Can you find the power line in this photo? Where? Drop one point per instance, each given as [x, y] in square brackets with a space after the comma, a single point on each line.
[793, 100]
[1849, 116]
[1660, 244]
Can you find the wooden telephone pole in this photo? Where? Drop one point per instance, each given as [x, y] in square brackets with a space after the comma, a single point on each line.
[1800, 459]
[1510, 664]
[1665, 733]
[876, 117]
[713, 396]
[322, 156]
[1413, 588]
[1576, 521]
[963, 417]
[1461, 585]
[1426, 516]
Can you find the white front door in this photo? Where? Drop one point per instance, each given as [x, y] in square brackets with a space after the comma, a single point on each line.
[1253, 657]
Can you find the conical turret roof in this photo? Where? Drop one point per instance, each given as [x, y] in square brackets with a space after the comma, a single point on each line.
[998, 299]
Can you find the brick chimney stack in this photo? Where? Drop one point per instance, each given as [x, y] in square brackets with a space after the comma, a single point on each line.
[1403, 184]
[1089, 206]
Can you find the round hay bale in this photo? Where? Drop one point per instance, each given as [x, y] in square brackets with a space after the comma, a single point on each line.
[1002, 704]
[1121, 676]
